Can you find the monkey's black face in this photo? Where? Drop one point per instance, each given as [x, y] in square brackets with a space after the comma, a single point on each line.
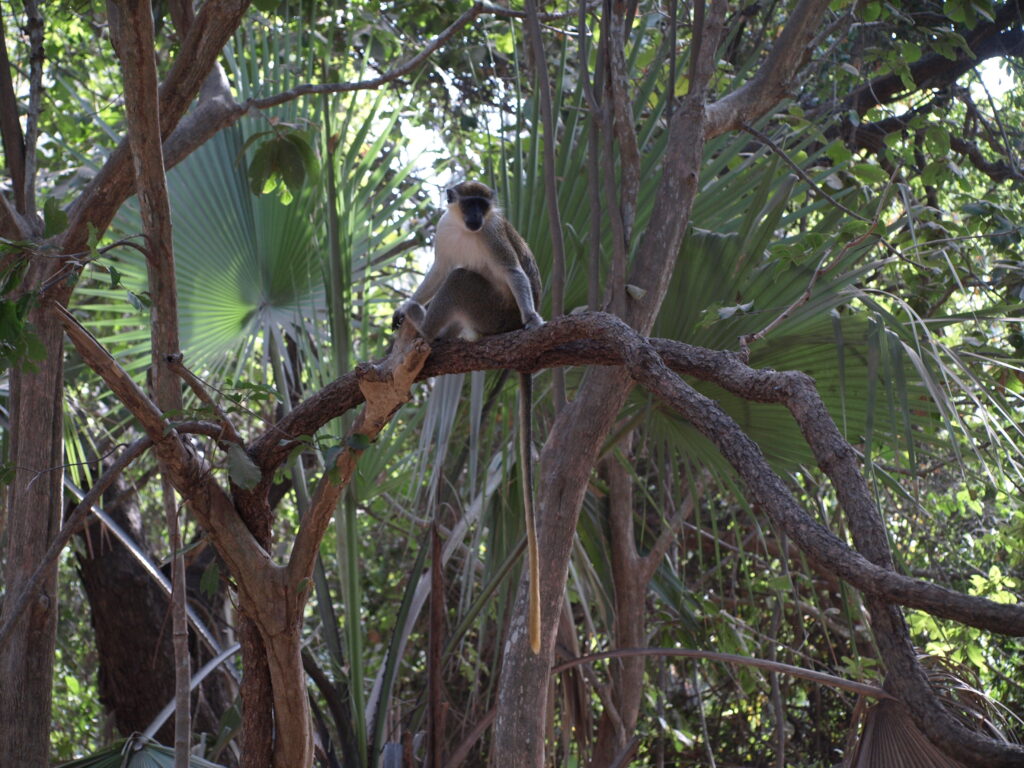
[474, 211]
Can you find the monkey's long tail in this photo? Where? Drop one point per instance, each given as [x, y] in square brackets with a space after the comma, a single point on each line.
[526, 473]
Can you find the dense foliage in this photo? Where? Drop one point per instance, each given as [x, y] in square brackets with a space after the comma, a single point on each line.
[875, 209]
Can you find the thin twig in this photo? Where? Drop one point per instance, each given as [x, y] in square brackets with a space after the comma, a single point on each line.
[177, 365]
[497, 10]
[746, 340]
[799, 171]
[74, 261]
[854, 686]
[393, 74]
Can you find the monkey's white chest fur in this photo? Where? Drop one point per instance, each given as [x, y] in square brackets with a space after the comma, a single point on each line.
[455, 246]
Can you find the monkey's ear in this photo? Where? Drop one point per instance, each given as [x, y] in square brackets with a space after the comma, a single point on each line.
[450, 194]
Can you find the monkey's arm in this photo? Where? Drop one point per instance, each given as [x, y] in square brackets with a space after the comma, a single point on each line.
[519, 284]
[431, 282]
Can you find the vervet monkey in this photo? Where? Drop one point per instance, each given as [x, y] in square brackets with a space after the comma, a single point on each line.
[484, 281]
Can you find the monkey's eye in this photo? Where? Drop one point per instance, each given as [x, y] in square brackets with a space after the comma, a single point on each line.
[450, 194]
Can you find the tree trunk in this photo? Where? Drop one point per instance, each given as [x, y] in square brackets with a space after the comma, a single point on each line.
[130, 619]
[565, 464]
[630, 580]
[129, 616]
[26, 660]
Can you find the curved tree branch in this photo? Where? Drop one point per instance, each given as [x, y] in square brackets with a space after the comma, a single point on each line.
[934, 71]
[597, 338]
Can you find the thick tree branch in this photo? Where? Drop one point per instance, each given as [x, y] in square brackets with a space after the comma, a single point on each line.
[871, 137]
[935, 71]
[385, 388]
[132, 32]
[34, 26]
[131, 27]
[10, 127]
[1002, 37]
[191, 479]
[774, 79]
[620, 115]
[767, 491]
[599, 339]
[659, 247]
[13, 225]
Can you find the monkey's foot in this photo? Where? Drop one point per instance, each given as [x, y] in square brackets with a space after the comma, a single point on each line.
[536, 321]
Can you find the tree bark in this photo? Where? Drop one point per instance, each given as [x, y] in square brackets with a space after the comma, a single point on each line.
[129, 613]
[630, 579]
[128, 610]
[35, 494]
[34, 504]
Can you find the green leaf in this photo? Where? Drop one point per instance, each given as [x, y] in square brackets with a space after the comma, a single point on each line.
[55, 220]
[937, 140]
[982, 9]
[310, 162]
[290, 165]
[976, 656]
[331, 454]
[92, 239]
[838, 152]
[242, 469]
[210, 580]
[358, 442]
[934, 173]
[140, 301]
[783, 583]
[869, 174]
[910, 52]
[893, 140]
[12, 275]
[262, 167]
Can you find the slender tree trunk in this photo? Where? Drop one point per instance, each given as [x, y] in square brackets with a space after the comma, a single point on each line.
[565, 463]
[630, 579]
[132, 33]
[26, 660]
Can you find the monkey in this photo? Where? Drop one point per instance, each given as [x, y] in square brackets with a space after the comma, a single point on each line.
[484, 281]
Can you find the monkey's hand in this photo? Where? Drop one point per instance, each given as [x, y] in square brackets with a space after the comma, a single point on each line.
[534, 321]
[398, 318]
[412, 311]
[400, 314]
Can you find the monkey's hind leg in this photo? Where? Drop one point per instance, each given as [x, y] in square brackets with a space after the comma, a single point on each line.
[467, 304]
